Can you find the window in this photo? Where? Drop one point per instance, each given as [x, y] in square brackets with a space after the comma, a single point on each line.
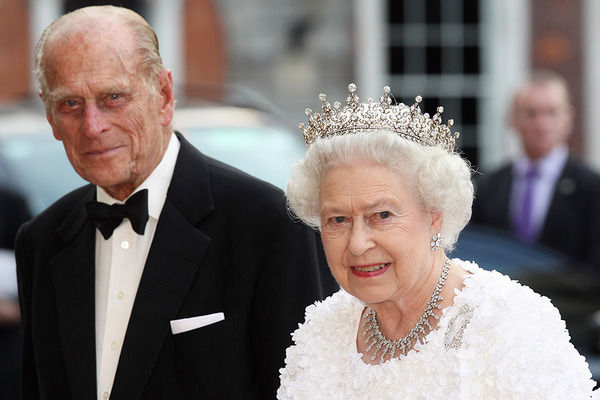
[135, 5]
[434, 49]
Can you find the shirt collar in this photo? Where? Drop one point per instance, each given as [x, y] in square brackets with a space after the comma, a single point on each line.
[549, 166]
[157, 183]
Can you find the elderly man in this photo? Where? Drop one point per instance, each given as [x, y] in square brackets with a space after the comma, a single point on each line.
[189, 285]
[545, 195]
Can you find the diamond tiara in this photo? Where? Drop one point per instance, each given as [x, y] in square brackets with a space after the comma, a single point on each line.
[407, 122]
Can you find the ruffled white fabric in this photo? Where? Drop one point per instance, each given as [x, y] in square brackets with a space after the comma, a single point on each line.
[515, 346]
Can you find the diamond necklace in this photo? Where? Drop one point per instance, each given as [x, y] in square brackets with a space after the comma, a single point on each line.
[406, 343]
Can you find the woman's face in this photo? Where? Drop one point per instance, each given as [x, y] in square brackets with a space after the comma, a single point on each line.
[376, 234]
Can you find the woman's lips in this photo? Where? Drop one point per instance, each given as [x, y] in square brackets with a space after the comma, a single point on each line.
[371, 270]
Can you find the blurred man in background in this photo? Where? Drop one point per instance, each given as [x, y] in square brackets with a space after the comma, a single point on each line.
[545, 195]
[13, 213]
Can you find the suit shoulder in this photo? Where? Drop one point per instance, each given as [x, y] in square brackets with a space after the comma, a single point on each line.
[577, 169]
[494, 180]
[228, 181]
[10, 195]
[495, 174]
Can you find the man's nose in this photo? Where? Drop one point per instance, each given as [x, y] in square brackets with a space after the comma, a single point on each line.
[94, 120]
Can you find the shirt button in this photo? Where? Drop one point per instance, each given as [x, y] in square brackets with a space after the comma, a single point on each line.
[120, 295]
[105, 395]
[114, 345]
[125, 244]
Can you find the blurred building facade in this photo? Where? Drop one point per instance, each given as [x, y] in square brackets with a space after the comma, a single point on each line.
[467, 55]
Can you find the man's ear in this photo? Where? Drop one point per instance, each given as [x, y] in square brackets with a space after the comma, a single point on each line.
[51, 122]
[165, 79]
[55, 131]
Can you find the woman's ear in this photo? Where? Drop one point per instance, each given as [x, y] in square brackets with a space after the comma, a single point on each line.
[437, 221]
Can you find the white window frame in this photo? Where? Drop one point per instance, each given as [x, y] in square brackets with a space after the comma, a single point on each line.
[505, 62]
[591, 79]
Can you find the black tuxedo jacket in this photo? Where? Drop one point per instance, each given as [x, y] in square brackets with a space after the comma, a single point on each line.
[224, 243]
[572, 224]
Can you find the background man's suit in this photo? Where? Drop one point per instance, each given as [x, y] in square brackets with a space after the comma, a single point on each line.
[572, 224]
[13, 212]
[224, 243]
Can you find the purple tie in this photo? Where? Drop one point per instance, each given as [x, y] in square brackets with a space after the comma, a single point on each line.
[524, 228]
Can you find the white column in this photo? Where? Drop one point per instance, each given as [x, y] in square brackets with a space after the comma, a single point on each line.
[166, 17]
[370, 60]
[41, 14]
[591, 80]
[506, 62]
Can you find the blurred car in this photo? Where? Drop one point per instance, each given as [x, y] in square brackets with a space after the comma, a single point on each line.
[574, 288]
[245, 138]
[33, 162]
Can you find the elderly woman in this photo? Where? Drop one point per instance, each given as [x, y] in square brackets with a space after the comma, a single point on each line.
[390, 196]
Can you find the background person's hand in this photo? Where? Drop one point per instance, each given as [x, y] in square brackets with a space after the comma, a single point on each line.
[9, 311]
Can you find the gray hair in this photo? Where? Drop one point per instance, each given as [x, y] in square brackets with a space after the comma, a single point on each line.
[440, 181]
[150, 61]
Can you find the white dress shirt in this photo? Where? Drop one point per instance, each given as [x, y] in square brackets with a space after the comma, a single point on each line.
[549, 169]
[120, 263]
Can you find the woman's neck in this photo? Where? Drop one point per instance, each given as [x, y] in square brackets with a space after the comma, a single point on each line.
[396, 319]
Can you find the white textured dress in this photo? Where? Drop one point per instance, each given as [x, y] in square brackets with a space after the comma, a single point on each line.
[499, 340]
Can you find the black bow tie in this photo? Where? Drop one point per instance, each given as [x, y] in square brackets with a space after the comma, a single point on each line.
[108, 217]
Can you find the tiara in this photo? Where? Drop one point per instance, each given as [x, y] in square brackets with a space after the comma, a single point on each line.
[407, 122]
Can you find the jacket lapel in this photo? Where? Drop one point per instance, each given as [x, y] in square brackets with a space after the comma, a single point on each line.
[502, 201]
[73, 272]
[561, 202]
[174, 259]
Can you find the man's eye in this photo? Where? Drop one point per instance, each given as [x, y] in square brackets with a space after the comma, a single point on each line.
[339, 220]
[384, 214]
[114, 96]
[71, 103]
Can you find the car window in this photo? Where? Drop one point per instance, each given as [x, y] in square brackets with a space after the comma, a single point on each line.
[267, 153]
[38, 167]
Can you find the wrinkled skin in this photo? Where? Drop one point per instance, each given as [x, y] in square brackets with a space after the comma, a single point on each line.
[114, 126]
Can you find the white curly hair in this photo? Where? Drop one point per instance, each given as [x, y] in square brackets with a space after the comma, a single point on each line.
[440, 181]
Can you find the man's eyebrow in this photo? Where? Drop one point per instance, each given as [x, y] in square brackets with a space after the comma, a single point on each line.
[63, 93]
[117, 89]
[57, 94]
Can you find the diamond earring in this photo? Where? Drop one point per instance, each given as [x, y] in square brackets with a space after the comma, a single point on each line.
[436, 241]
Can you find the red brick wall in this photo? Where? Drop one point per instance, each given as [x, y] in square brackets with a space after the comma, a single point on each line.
[15, 51]
[205, 60]
[557, 44]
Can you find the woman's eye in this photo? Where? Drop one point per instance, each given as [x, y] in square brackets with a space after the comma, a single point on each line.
[114, 96]
[339, 220]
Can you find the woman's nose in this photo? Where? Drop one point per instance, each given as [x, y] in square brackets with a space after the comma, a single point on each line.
[361, 238]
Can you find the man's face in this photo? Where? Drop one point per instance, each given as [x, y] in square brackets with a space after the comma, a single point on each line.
[113, 125]
[542, 117]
